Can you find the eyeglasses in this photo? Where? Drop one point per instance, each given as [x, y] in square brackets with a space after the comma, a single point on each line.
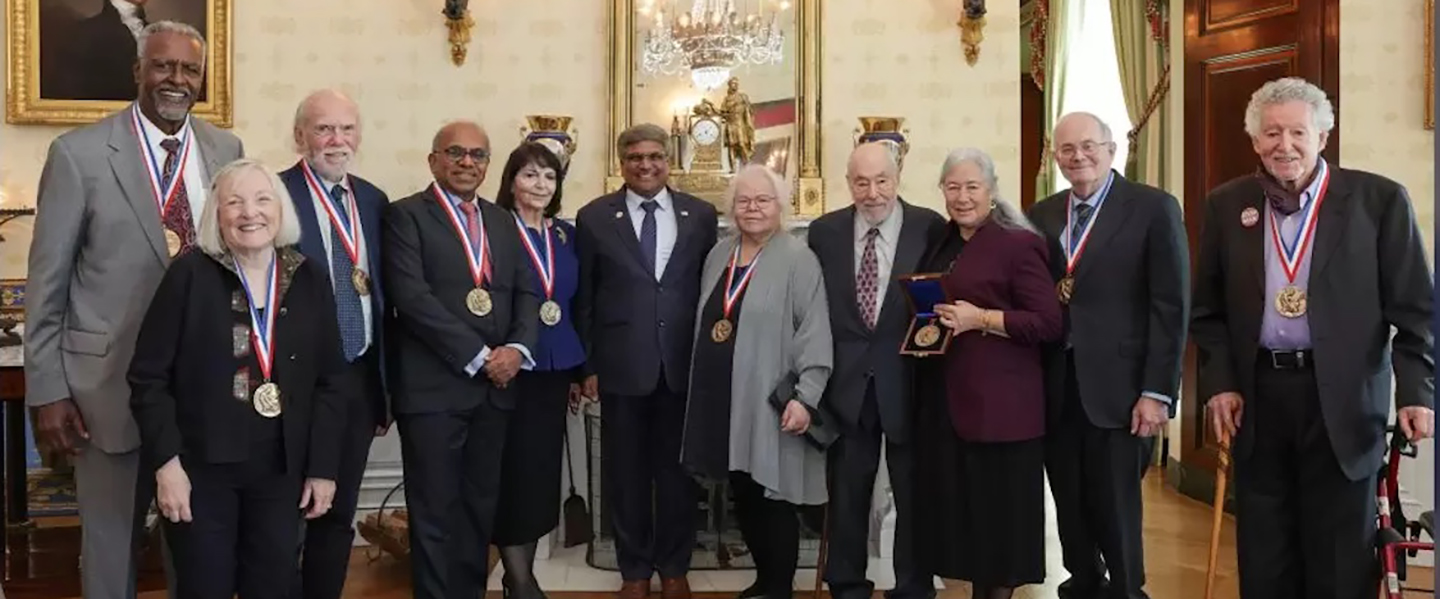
[457, 153]
[1088, 148]
[757, 201]
[639, 158]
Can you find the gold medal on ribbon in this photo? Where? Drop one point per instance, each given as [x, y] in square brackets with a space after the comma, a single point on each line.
[550, 313]
[172, 242]
[361, 281]
[722, 330]
[478, 302]
[720, 333]
[266, 400]
[1065, 289]
[1291, 302]
[927, 335]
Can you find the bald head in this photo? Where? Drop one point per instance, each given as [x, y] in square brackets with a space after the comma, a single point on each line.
[327, 132]
[1084, 150]
[874, 178]
[460, 157]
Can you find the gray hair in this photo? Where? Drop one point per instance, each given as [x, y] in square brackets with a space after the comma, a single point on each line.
[1002, 212]
[640, 133]
[169, 27]
[1290, 89]
[207, 235]
[778, 184]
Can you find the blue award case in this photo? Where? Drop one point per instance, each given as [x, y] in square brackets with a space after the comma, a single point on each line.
[924, 292]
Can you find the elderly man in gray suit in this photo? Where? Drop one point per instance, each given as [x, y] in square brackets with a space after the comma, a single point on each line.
[118, 200]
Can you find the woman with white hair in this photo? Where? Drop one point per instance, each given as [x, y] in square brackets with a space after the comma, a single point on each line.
[981, 404]
[761, 360]
[234, 388]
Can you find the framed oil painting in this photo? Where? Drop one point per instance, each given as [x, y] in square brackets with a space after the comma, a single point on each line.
[71, 62]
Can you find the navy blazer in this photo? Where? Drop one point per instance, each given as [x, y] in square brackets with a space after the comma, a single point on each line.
[370, 201]
[559, 346]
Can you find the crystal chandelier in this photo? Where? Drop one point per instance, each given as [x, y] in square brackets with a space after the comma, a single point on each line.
[711, 39]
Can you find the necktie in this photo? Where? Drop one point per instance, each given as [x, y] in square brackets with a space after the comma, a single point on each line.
[177, 216]
[472, 224]
[647, 235]
[867, 282]
[1082, 216]
[347, 299]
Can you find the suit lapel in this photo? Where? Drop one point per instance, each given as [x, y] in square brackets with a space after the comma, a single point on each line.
[1250, 241]
[907, 255]
[206, 144]
[683, 233]
[1110, 220]
[851, 299]
[130, 172]
[624, 228]
[310, 243]
[1330, 228]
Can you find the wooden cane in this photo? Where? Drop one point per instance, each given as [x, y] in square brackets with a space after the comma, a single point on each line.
[1222, 471]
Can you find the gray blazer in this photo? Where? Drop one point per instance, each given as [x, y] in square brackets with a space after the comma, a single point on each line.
[784, 325]
[97, 255]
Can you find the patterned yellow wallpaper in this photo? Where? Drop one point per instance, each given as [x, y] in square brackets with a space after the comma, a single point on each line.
[882, 58]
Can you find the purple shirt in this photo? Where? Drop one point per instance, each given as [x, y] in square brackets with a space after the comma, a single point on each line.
[1276, 331]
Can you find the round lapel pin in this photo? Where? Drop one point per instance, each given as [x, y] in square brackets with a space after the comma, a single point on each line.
[1249, 216]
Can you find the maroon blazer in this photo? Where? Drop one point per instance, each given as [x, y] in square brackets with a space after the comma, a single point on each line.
[995, 385]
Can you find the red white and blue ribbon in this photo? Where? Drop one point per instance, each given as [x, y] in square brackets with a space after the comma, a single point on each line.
[1075, 247]
[262, 330]
[477, 251]
[732, 288]
[349, 236]
[546, 267]
[1292, 253]
[155, 167]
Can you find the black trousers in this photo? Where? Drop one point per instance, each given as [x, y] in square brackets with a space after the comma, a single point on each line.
[853, 461]
[1303, 529]
[328, 539]
[244, 527]
[452, 485]
[771, 529]
[1095, 476]
[651, 500]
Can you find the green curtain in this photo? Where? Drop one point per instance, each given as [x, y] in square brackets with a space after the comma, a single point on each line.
[1144, 75]
[1057, 47]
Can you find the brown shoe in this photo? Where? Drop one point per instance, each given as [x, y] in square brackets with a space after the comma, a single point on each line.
[675, 588]
[635, 589]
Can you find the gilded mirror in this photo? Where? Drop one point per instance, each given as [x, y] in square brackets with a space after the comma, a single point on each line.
[732, 81]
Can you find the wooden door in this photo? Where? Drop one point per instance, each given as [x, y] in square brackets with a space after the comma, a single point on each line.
[1232, 47]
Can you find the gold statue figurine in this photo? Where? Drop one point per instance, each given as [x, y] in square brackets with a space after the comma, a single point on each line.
[739, 125]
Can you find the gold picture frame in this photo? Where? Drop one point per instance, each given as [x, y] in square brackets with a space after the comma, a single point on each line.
[623, 68]
[1429, 64]
[29, 59]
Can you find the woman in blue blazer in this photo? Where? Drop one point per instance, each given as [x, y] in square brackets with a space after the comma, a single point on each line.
[530, 483]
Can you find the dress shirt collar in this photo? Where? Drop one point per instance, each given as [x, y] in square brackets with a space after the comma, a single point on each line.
[889, 228]
[1076, 200]
[633, 200]
[155, 135]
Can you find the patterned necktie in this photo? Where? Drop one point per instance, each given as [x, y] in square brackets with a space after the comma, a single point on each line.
[647, 235]
[177, 216]
[472, 224]
[347, 299]
[867, 284]
[1082, 216]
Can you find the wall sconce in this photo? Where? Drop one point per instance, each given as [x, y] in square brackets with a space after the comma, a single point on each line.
[458, 21]
[972, 29]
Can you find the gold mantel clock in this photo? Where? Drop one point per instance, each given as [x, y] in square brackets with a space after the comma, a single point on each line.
[705, 135]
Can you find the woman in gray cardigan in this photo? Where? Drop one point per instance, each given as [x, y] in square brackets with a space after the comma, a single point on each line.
[762, 323]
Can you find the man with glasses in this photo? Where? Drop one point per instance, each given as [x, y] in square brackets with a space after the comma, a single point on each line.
[862, 249]
[641, 250]
[464, 317]
[339, 216]
[1121, 267]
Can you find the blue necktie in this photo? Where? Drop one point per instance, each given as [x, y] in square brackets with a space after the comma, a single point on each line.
[1082, 216]
[647, 235]
[347, 300]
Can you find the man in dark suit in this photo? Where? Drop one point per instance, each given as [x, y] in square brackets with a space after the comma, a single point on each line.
[1120, 260]
[339, 216]
[641, 250]
[862, 249]
[96, 55]
[1304, 268]
[465, 316]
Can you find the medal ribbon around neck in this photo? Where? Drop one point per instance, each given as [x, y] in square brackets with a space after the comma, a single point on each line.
[732, 291]
[547, 269]
[349, 236]
[1074, 249]
[478, 259]
[154, 167]
[262, 331]
[1293, 253]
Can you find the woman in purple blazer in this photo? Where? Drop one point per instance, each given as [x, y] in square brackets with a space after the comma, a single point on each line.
[981, 404]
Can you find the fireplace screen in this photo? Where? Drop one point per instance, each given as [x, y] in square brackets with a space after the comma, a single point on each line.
[718, 543]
